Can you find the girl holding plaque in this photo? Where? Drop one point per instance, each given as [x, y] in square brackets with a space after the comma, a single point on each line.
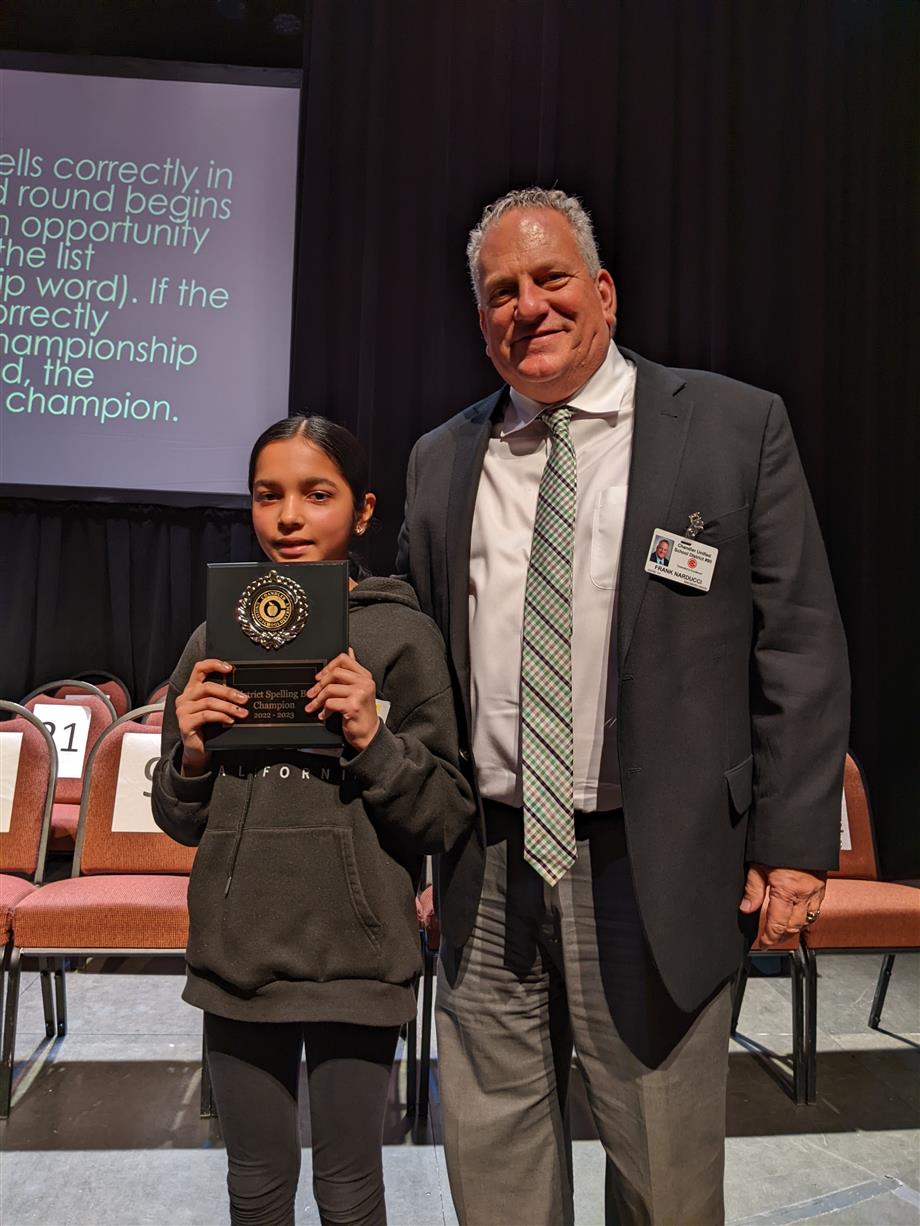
[302, 922]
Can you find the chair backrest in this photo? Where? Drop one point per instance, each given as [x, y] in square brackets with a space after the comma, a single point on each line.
[117, 833]
[115, 693]
[857, 843]
[111, 685]
[70, 685]
[75, 725]
[158, 693]
[28, 767]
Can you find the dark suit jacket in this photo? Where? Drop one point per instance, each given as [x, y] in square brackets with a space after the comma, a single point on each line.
[751, 712]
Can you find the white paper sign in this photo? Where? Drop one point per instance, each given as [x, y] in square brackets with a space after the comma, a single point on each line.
[69, 728]
[10, 747]
[846, 843]
[133, 814]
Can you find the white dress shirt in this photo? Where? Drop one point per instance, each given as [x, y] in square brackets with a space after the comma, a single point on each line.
[506, 502]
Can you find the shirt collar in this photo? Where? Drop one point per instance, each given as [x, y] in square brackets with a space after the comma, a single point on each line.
[600, 396]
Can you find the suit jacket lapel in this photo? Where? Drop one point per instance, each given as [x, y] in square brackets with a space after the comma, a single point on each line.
[472, 442]
[662, 419]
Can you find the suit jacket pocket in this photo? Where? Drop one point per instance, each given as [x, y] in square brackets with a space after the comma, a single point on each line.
[724, 527]
[740, 780]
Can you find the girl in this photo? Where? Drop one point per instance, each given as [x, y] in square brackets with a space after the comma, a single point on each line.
[302, 922]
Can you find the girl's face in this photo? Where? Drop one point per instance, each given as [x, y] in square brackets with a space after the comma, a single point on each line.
[302, 506]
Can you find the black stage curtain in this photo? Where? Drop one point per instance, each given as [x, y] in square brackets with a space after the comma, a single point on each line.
[752, 171]
[100, 585]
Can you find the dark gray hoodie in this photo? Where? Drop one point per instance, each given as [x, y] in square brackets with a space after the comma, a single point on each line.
[301, 899]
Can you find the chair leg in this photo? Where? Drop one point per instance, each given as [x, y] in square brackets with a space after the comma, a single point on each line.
[44, 971]
[427, 1004]
[10, 1018]
[4, 967]
[799, 1046]
[60, 995]
[206, 1107]
[881, 991]
[411, 1066]
[740, 984]
[811, 1024]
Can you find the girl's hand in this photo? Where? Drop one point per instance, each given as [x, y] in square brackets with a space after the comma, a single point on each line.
[349, 690]
[205, 702]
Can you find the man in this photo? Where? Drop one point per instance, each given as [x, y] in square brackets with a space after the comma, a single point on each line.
[659, 554]
[602, 901]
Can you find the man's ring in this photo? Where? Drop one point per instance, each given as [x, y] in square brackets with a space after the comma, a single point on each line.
[811, 916]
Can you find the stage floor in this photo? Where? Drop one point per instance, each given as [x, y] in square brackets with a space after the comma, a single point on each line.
[105, 1128]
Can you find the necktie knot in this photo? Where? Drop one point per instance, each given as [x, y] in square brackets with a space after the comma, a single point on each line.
[557, 421]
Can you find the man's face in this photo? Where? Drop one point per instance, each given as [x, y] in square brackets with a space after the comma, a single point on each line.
[546, 321]
[662, 549]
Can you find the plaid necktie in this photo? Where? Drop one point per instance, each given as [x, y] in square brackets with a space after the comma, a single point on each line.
[546, 663]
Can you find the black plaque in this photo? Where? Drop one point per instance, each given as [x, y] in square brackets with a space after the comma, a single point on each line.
[277, 623]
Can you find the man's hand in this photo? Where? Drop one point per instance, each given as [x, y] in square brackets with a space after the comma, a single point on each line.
[790, 894]
[428, 917]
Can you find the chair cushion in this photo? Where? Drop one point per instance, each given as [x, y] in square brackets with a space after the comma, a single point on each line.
[64, 818]
[866, 915]
[12, 889]
[117, 912]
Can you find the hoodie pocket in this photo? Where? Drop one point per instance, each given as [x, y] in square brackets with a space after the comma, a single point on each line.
[296, 910]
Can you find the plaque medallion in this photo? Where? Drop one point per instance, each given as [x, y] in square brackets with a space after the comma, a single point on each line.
[272, 610]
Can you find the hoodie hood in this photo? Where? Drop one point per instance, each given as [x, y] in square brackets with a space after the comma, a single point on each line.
[379, 590]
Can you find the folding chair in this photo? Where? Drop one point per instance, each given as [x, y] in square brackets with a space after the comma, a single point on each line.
[75, 724]
[127, 894]
[859, 914]
[28, 765]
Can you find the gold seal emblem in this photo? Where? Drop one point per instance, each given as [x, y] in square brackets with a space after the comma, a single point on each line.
[272, 610]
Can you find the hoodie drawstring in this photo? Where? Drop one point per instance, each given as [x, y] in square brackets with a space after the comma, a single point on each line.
[239, 834]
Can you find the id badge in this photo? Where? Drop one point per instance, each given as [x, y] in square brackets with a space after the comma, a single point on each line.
[680, 559]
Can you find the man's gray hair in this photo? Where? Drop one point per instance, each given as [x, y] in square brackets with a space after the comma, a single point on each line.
[570, 207]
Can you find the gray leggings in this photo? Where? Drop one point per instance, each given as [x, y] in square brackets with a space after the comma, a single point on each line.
[255, 1072]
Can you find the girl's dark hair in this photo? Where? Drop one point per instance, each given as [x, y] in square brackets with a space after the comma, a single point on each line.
[339, 444]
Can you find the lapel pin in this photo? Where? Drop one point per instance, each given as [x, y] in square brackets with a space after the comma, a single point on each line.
[695, 524]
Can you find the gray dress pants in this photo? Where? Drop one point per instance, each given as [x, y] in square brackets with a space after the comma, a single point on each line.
[546, 967]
